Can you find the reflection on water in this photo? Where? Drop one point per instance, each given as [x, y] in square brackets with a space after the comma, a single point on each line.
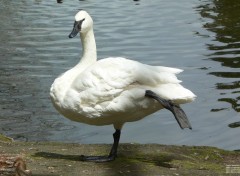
[224, 22]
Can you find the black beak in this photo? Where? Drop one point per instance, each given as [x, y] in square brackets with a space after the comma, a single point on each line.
[76, 28]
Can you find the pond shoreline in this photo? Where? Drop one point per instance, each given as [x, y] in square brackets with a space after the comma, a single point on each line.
[55, 158]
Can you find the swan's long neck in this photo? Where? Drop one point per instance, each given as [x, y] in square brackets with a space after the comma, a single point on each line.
[89, 55]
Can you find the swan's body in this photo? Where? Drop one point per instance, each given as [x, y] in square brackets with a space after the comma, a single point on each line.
[112, 90]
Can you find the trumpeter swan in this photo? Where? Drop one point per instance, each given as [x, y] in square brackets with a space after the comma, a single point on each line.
[115, 90]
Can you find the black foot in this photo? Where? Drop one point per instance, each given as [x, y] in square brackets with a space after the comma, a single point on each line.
[112, 155]
[97, 159]
[177, 111]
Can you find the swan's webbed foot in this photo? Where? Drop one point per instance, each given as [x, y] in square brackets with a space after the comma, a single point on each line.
[97, 159]
[112, 155]
[177, 111]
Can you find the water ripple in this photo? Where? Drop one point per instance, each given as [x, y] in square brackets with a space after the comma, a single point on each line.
[193, 34]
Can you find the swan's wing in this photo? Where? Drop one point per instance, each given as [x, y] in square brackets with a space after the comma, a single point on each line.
[129, 71]
[116, 84]
[117, 74]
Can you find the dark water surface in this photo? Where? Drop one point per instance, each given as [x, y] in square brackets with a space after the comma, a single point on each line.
[200, 36]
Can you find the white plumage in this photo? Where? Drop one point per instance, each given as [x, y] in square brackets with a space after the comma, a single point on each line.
[112, 90]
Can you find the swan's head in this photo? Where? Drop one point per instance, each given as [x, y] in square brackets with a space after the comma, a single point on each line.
[83, 23]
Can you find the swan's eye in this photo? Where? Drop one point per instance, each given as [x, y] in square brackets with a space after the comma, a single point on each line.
[78, 24]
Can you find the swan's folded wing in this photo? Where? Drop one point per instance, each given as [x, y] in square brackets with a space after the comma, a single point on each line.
[119, 73]
[100, 85]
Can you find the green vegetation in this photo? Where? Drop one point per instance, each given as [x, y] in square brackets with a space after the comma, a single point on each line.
[51, 158]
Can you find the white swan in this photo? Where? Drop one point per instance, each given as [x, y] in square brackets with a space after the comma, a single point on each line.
[115, 90]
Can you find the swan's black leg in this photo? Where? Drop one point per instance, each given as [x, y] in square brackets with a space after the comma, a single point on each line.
[116, 137]
[112, 155]
[178, 113]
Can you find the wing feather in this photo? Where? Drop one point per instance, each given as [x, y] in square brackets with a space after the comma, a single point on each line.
[101, 85]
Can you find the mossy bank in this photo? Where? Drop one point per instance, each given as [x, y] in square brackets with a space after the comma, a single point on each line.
[55, 159]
